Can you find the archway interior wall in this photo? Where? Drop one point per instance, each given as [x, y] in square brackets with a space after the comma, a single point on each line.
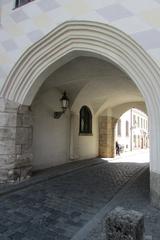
[100, 80]
[83, 146]
[86, 80]
[56, 141]
[48, 148]
[51, 137]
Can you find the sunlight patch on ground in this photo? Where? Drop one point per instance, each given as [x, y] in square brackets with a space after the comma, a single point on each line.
[140, 156]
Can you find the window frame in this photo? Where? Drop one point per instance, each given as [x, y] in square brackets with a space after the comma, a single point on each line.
[127, 128]
[85, 116]
[119, 128]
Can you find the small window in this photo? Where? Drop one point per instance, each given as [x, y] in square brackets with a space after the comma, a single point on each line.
[127, 129]
[119, 128]
[138, 122]
[22, 2]
[85, 120]
[135, 140]
[141, 123]
[134, 119]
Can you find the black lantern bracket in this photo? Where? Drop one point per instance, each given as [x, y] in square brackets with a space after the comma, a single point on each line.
[57, 115]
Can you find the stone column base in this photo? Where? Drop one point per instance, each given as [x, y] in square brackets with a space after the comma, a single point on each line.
[106, 136]
[155, 189]
[15, 141]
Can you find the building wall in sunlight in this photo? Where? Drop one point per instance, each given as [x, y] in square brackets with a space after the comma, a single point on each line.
[132, 130]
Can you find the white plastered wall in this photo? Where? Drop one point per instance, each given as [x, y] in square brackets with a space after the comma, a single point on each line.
[50, 136]
[88, 145]
[83, 146]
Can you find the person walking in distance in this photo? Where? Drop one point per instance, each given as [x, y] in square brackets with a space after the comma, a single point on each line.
[117, 148]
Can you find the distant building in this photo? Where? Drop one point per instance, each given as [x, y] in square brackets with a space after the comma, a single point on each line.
[132, 130]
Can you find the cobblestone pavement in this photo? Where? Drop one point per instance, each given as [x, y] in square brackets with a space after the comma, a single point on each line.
[134, 196]
[58, 207]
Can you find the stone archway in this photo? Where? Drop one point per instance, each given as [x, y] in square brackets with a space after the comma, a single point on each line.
[77, 38]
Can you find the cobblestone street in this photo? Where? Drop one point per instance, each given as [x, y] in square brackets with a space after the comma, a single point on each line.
[58, 207]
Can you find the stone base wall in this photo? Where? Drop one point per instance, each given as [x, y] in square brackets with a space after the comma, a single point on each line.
[24, 137]
[106, 136]
[15, 141]
[155, 189]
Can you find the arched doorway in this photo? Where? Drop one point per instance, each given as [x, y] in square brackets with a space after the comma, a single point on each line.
[79, 38]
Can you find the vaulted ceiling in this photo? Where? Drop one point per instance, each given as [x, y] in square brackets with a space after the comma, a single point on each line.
[92, 81]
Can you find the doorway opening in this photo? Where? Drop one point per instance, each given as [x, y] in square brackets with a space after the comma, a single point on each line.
[132, 136]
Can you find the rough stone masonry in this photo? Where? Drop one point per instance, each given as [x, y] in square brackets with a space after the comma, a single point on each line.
[124, 224]
[15, 141]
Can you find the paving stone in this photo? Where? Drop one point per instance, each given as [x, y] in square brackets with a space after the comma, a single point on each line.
[134, 197]
[17, 236]
[66, 202]
[3, 228]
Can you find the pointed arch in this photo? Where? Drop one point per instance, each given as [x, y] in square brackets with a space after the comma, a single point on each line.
[96, 39]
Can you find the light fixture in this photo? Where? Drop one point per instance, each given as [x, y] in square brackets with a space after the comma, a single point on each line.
[64, 105]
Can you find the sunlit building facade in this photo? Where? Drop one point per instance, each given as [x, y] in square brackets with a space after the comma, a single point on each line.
[132, 130]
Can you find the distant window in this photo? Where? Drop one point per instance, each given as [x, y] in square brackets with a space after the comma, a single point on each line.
[138, 125]
[85, 120]
[127, 128]
[146, 125]
[119, 128]
[22, 2]
[134, 140]
[139, 144]
[134, 119]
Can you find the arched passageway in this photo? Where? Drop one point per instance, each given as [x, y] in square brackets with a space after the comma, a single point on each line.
[68, 41]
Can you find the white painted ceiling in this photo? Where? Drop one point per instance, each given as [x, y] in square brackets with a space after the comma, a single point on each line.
[92, 81]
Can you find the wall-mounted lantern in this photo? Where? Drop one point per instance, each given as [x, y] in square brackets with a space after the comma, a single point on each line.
[64, 105]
